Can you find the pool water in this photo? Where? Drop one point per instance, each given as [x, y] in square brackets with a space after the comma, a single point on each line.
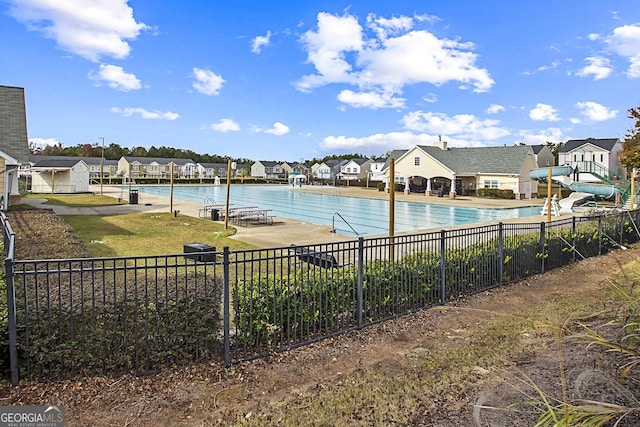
[366, 216]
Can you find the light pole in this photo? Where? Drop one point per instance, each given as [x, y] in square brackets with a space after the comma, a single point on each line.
[101, 164]
[230, 165]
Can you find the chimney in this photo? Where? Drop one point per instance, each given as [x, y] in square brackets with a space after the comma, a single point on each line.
[440, 143]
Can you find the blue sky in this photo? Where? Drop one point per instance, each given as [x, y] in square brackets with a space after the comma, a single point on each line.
[285, 80]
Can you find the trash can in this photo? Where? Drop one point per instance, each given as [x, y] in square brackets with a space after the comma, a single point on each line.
[440, 194]
[133, 197]
[215, 214]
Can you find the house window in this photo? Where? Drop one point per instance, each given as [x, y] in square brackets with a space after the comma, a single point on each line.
[601, 158]
[490, 183]
[575, 157]
[416, 161]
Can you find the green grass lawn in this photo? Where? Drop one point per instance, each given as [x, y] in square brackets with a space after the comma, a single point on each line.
[149, 233]
[139, 234]
[78, 200]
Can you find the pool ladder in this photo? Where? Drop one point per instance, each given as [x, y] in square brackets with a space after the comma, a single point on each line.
[333, 224]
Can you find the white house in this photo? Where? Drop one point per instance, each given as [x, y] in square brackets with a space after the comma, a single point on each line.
[321, 171]
[60, 175]
[355, 169]
[595, 159]
[376, 167]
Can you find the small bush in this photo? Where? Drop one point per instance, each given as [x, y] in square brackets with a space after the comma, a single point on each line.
[495, 193]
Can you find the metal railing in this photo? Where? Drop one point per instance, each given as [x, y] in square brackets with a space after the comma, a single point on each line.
[333, 223]
[109, 316]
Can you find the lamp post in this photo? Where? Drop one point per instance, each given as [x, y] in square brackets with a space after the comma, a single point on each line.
[230, 165]
[101, 164]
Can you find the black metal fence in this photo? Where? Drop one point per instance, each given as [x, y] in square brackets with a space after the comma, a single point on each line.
[109, 316]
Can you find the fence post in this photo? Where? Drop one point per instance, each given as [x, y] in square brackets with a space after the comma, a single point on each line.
[443, 273]
[500, 252]
[599, 235]
[12, 323]
[359, 291]
[573, 239]
[226, 308]
[542, 241]
[621, 221]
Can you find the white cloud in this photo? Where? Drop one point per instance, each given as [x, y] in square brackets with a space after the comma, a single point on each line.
[90, 29]
[461, 126]
[260, 41]
[384, 27]
[544, 112]
[382, 142]
[225, 125]
[593, 36]
[495, 109]
[431, 98]
[207, 82]
[145, 114]
[599, 67]
[537, 137]
[116, 78]
[595, 112]
[371, 100]
[277, 129]
[625, 41]
[383, 62]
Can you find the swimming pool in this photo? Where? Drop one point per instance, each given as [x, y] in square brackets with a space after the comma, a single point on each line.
[367, 216]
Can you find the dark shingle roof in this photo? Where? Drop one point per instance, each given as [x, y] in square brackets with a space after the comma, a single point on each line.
[35, 158]
[604, 143]
[473, 160]
[56, 162]
[13, 123]
[159, 160]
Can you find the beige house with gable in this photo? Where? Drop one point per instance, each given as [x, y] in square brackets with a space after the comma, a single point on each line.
[462, 171]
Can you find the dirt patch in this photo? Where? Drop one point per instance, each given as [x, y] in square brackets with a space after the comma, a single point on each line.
[209, 394]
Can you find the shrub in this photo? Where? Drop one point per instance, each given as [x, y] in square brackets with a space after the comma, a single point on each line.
[494, 193]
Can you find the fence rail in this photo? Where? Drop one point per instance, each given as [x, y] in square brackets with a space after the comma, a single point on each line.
[109, 316]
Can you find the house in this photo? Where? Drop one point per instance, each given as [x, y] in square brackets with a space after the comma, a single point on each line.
[59, 174]
[211, 170]
[375, 173]
[595, 159]
[544, 155]
[14, 145]
[355, 169]
[151, 167]
[267, 169]
[109, 168]
[436, 168]
[321, 171]
[300, 168]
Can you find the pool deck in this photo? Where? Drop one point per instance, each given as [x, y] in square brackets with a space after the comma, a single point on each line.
[286, 231]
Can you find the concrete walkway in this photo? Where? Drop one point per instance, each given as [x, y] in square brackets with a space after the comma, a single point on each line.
[284, 231]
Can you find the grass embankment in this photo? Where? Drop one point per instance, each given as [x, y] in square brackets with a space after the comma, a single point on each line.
[140, 234]
[77, 200]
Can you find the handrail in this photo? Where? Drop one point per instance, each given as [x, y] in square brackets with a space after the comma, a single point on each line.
[209, 201]
[333, 224]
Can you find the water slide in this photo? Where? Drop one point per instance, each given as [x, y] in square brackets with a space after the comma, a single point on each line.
[580, 190]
